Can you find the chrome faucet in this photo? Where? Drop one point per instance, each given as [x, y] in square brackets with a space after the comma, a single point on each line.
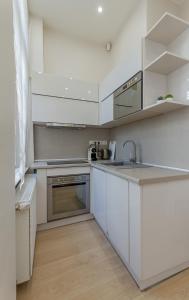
[132, 155]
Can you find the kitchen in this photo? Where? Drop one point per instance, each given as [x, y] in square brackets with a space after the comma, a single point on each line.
[101, 154]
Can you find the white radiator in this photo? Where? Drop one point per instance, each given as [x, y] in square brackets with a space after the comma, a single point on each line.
[25, 228]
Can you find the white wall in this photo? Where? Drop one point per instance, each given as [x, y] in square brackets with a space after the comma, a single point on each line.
[36, 44]
[163, 140]
[126, 55]
[155, 9]
[76, 58]
[128, 44]
[52, 143]
[184, 10]
[7, 200]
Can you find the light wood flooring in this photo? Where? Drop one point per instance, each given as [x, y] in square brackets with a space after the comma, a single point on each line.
[76, 262]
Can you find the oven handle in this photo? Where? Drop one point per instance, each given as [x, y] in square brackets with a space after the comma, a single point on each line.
[123, 105]
[67, 184]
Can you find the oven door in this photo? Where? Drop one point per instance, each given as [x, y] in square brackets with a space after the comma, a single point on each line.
[128, 98]
[68, 196]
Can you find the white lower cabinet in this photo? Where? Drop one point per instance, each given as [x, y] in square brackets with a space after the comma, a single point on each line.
[148, 224]
[118, 215]
[41, 196]
[135, 229]
[109, 195]
[98, 197]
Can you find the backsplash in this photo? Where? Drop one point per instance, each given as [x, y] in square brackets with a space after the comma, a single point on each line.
[162, 140]
[53, 143]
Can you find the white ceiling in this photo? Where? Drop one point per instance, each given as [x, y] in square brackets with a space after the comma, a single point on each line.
[79, 18]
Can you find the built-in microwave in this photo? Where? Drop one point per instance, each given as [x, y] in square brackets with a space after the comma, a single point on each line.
[128, 99]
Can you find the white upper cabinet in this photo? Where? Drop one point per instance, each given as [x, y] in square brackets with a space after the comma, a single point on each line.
[120, 74]
[106, 110]
[59, 86]
[60, 110]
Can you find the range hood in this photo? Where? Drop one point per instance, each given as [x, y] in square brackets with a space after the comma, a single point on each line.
[60, 125]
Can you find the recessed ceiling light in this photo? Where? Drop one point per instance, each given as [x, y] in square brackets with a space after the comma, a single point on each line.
[71, 78]
[100, 9]
[66, 89]
[89, 92]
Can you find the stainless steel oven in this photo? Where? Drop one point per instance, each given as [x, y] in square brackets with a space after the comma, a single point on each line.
[128, 98]
[68, 196]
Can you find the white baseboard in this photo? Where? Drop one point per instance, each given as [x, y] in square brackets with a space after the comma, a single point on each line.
[64, 222]
[157, 279]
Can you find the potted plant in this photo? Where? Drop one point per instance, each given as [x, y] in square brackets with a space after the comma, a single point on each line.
[169, 97]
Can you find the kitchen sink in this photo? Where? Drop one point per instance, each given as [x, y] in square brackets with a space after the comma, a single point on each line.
[67, 162]
[125, 165]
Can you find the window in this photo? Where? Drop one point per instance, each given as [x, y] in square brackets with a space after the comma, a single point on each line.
[20, 22]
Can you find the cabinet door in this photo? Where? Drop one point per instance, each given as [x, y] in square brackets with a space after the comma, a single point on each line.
[22, 246]
[122, 72]
[41, 196]
[98, 196]
[33, 229]
[135, 228]
[63, 110]
[117, 215]
[60, 86]
[106, 110]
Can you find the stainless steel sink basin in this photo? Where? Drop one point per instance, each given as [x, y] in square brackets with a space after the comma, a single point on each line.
[67, 162]
[125, 164]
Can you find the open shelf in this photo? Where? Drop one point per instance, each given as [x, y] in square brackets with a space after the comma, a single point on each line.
[159, 108]
[167, 29]
[166, 63]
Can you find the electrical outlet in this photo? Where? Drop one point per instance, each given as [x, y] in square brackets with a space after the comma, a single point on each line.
[103, 143]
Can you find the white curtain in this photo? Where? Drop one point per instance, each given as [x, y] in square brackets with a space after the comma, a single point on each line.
[20, 22]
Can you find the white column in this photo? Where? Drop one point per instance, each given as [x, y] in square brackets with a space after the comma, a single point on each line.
[7, 189]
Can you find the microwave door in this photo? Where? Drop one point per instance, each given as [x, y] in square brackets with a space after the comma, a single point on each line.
[129, 101]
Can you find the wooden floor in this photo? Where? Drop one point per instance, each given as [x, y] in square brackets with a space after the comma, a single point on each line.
[76, 262]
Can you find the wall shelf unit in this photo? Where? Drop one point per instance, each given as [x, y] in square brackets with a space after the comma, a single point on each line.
[165, 50]
[159, 108]
[167, 29]
[166, 63]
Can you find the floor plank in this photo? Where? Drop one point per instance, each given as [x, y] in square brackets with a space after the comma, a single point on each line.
[76, 262]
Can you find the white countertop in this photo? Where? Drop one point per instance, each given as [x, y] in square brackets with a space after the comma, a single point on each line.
[42, 164]
[143, 175]
[24, 195]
